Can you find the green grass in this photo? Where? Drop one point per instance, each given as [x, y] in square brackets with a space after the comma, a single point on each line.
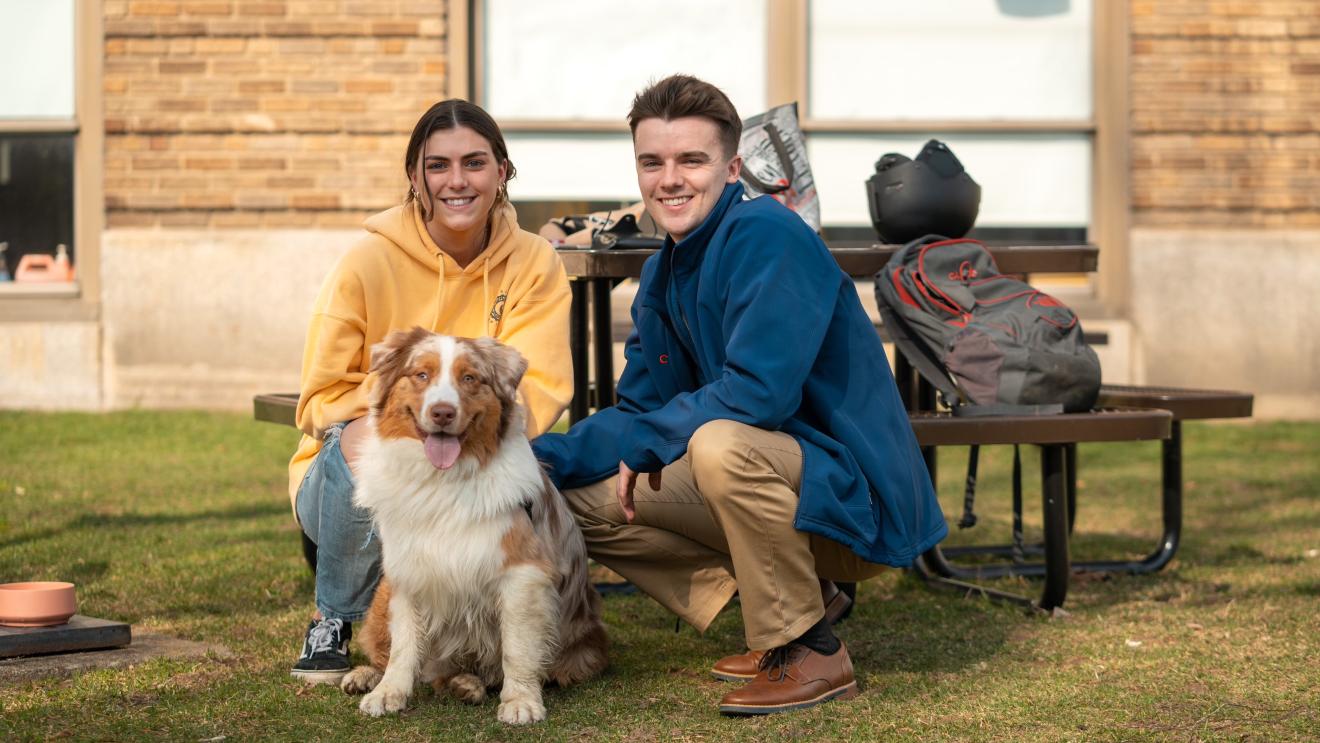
[179, 523]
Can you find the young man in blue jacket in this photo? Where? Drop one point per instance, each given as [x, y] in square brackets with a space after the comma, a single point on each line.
[758, 403]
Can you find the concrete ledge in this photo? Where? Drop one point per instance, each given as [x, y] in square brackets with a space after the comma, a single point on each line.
[1225, 309]
[207, 318]
[50, 365]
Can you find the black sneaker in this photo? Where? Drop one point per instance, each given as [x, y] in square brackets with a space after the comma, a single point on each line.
[324, 658]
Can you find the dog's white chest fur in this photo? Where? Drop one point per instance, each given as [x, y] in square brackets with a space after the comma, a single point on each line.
[442, 531]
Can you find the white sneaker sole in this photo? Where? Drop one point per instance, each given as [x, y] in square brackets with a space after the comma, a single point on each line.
[312, 678]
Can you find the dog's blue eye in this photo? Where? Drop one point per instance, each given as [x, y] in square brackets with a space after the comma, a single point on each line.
[469, 378]
[423, 376]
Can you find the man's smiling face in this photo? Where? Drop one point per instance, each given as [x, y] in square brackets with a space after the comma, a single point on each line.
[682, 170]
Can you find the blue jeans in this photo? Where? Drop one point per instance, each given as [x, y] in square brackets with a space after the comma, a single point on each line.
[347, 552]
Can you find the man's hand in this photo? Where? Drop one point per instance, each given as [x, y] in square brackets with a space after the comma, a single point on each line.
[627, 482]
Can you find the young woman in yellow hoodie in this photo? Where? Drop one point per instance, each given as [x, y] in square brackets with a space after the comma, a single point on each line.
[452, 259]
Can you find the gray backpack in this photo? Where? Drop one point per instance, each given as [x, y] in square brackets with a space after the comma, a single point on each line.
[991, 344]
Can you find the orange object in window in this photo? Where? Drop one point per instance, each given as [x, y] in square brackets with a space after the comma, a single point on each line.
[38, 268]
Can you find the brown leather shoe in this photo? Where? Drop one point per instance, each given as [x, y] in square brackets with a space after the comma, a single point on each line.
[744, 667]
[738, 667]
[837, 602]
[793, 677]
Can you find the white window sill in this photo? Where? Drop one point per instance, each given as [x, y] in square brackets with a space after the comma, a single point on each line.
[53, 289]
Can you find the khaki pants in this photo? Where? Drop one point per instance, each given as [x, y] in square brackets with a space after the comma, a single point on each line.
[724, 509]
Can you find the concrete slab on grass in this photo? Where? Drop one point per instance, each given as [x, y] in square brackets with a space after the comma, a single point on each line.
[146, 646]
[78, 633]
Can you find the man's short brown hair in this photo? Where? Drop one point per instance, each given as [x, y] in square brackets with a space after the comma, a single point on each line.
[678, 96]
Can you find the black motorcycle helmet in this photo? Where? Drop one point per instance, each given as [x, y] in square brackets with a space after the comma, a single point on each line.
[931, 195]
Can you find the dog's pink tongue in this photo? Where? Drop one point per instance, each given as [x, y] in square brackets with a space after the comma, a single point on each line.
[442, 450]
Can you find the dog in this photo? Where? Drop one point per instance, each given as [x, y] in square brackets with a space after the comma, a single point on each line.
[484, 579]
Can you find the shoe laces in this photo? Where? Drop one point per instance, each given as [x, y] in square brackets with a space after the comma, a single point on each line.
[324, 635]
[776, 661]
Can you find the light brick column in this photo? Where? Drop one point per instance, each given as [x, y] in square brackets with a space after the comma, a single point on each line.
[1225, 113]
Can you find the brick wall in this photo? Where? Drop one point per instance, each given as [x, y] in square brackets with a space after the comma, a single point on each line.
[237, 113]
[1225, 113]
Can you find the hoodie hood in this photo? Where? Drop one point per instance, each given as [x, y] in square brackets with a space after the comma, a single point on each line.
[403, 226]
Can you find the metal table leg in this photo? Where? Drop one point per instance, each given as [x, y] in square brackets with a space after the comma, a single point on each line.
[903, 378]
[924, 398]
[1054, 504]
[934, 567]
[1070, 464]
[577, 341]
[603, 342]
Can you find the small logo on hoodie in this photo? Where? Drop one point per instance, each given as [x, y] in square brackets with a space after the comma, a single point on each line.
[497, 309]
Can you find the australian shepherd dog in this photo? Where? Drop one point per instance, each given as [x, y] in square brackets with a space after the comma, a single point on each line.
[484, 571]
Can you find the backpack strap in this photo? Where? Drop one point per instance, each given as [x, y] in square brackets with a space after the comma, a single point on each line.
[920, 357]
[1018, 548]
[968, 519]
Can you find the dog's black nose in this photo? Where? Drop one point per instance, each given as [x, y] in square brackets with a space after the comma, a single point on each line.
[442, 413]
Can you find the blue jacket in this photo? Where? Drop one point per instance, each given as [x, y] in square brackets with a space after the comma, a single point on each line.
[750, 319]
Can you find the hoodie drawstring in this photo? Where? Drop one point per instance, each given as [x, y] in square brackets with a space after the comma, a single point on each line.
[485, 291]
[439, 292]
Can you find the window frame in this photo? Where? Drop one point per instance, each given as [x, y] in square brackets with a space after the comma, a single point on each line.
[81, 300]
[786, 72]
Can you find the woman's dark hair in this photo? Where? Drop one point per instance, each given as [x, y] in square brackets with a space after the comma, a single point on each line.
[452, 114]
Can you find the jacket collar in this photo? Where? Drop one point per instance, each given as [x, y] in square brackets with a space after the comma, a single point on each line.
[692, 246]
[690, 250]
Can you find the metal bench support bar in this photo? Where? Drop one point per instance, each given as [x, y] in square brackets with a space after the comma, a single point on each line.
[1171, 512]
[1056, 567]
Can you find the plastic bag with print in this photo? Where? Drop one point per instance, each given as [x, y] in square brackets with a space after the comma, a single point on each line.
[775, 163]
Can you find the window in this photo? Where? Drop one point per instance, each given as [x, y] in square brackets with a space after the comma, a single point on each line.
[36, 194]
[1021, 90]
[36, 141]
[566, 95]
[50, 151]
[1007, 85]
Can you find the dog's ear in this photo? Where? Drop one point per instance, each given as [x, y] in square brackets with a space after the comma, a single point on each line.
[387, 351]
[507, 364]
[388, 359]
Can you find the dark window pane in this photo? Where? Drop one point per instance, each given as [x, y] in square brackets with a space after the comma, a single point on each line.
[36, 194]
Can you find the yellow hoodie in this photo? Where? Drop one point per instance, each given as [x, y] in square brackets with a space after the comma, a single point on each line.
[395, 278]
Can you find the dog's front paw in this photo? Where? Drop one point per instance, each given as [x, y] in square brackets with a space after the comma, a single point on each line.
[383, 700]
[360, 680]
[521, 711]
[467, 688]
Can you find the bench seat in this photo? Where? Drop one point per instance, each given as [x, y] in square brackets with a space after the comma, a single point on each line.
[1110, 423]
[1179, 403]
[1057, 435]
[1184, 403]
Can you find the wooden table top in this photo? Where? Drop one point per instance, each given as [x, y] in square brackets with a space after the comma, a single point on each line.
[857, 259]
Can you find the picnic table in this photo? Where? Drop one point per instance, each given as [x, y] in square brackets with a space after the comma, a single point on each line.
[1124, 413]
[594, 272]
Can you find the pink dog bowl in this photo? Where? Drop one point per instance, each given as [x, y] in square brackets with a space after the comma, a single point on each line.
[37, 604]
